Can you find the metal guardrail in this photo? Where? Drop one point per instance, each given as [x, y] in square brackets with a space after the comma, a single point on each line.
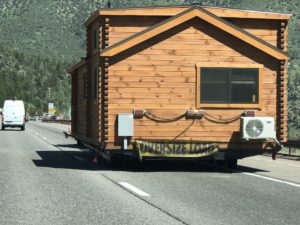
[57, 121]
[293, 143]
[293, 147]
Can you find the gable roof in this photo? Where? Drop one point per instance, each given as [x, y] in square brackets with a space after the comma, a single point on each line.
[174, 10]
[194, 12]
[76, 66]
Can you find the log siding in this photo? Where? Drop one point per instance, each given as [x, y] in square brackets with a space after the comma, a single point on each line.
[158, 72]
[203, 15]
[158, 79]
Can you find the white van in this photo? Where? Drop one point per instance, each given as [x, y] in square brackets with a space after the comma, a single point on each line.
[13, 114]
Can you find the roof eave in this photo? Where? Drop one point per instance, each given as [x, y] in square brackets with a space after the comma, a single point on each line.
[173, 10]
[230, 28]
[92, 18]
[76, 66]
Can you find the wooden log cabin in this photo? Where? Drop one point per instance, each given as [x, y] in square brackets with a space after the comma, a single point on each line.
[193, 74]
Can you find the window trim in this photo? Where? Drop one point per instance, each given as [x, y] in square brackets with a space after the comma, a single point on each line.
[258, 105]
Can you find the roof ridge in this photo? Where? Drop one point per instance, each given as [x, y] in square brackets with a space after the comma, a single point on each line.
[235, 27]
[196, 4]
[244, 31]
[147, 29]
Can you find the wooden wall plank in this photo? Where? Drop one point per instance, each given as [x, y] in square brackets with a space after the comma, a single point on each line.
[189, 16]
[161, 79]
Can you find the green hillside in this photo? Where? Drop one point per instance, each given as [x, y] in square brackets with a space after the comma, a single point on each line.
[39, 39]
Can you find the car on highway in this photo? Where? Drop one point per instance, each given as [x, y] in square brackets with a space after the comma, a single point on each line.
[32, 118]
[13, 114]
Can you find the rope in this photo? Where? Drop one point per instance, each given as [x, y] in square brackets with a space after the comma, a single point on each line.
[185, 130]
[217, 120]
[151, 116]
[210, 118]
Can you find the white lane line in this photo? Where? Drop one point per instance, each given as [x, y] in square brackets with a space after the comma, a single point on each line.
[273, 179]
[37, 134]
[134, 189]
[44, 138]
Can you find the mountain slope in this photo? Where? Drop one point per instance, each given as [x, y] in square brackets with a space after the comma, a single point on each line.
[51, 34]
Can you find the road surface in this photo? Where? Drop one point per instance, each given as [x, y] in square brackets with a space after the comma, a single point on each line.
[47, 179]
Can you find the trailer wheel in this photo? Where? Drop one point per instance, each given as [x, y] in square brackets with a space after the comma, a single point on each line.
[231, 163]
[79, 143]
[124, 162]
[210, 162]
[228, 163]
[220, 163]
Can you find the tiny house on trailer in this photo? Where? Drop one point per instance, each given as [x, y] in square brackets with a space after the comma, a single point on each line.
[186, 81]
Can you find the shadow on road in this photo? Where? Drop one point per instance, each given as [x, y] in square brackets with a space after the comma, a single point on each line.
[75, 146]
[82, 160]
[64, 160]
[175, 166]
[250, 169]
[11, 129]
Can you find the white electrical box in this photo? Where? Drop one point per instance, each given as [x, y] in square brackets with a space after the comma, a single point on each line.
[125, 124]
[257, 128]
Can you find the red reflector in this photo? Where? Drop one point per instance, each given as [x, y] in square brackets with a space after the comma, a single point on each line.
[138, 113]
[250, 113]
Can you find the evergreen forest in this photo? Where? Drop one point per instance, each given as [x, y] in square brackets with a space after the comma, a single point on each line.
[40, 39]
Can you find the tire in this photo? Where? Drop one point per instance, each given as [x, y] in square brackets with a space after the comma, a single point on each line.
[23, 127]
[231, 163]
[210, 162]
[220, 163]
[80, 144]
[3, 127]
[228, 163]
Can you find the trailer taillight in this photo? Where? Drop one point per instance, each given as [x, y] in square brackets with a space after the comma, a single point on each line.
[249, 113]
[138, 113]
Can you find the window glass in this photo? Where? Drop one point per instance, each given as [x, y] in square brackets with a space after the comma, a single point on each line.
[244, 86]
[229, 85]
[214, 82]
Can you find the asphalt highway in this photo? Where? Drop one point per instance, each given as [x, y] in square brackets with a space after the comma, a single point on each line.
[47, 179]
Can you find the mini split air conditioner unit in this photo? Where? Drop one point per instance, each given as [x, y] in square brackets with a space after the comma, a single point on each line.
[257, 128]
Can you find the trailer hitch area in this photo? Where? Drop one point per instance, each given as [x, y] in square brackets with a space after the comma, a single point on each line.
[274, 154]
[100, 155]
[96, 158]
[67, 133]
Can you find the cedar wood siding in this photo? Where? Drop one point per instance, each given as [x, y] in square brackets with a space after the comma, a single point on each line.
[92, 103]
[74, 102]
[121, 27]
[160, 76]
[81, 103]
[94, 113]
